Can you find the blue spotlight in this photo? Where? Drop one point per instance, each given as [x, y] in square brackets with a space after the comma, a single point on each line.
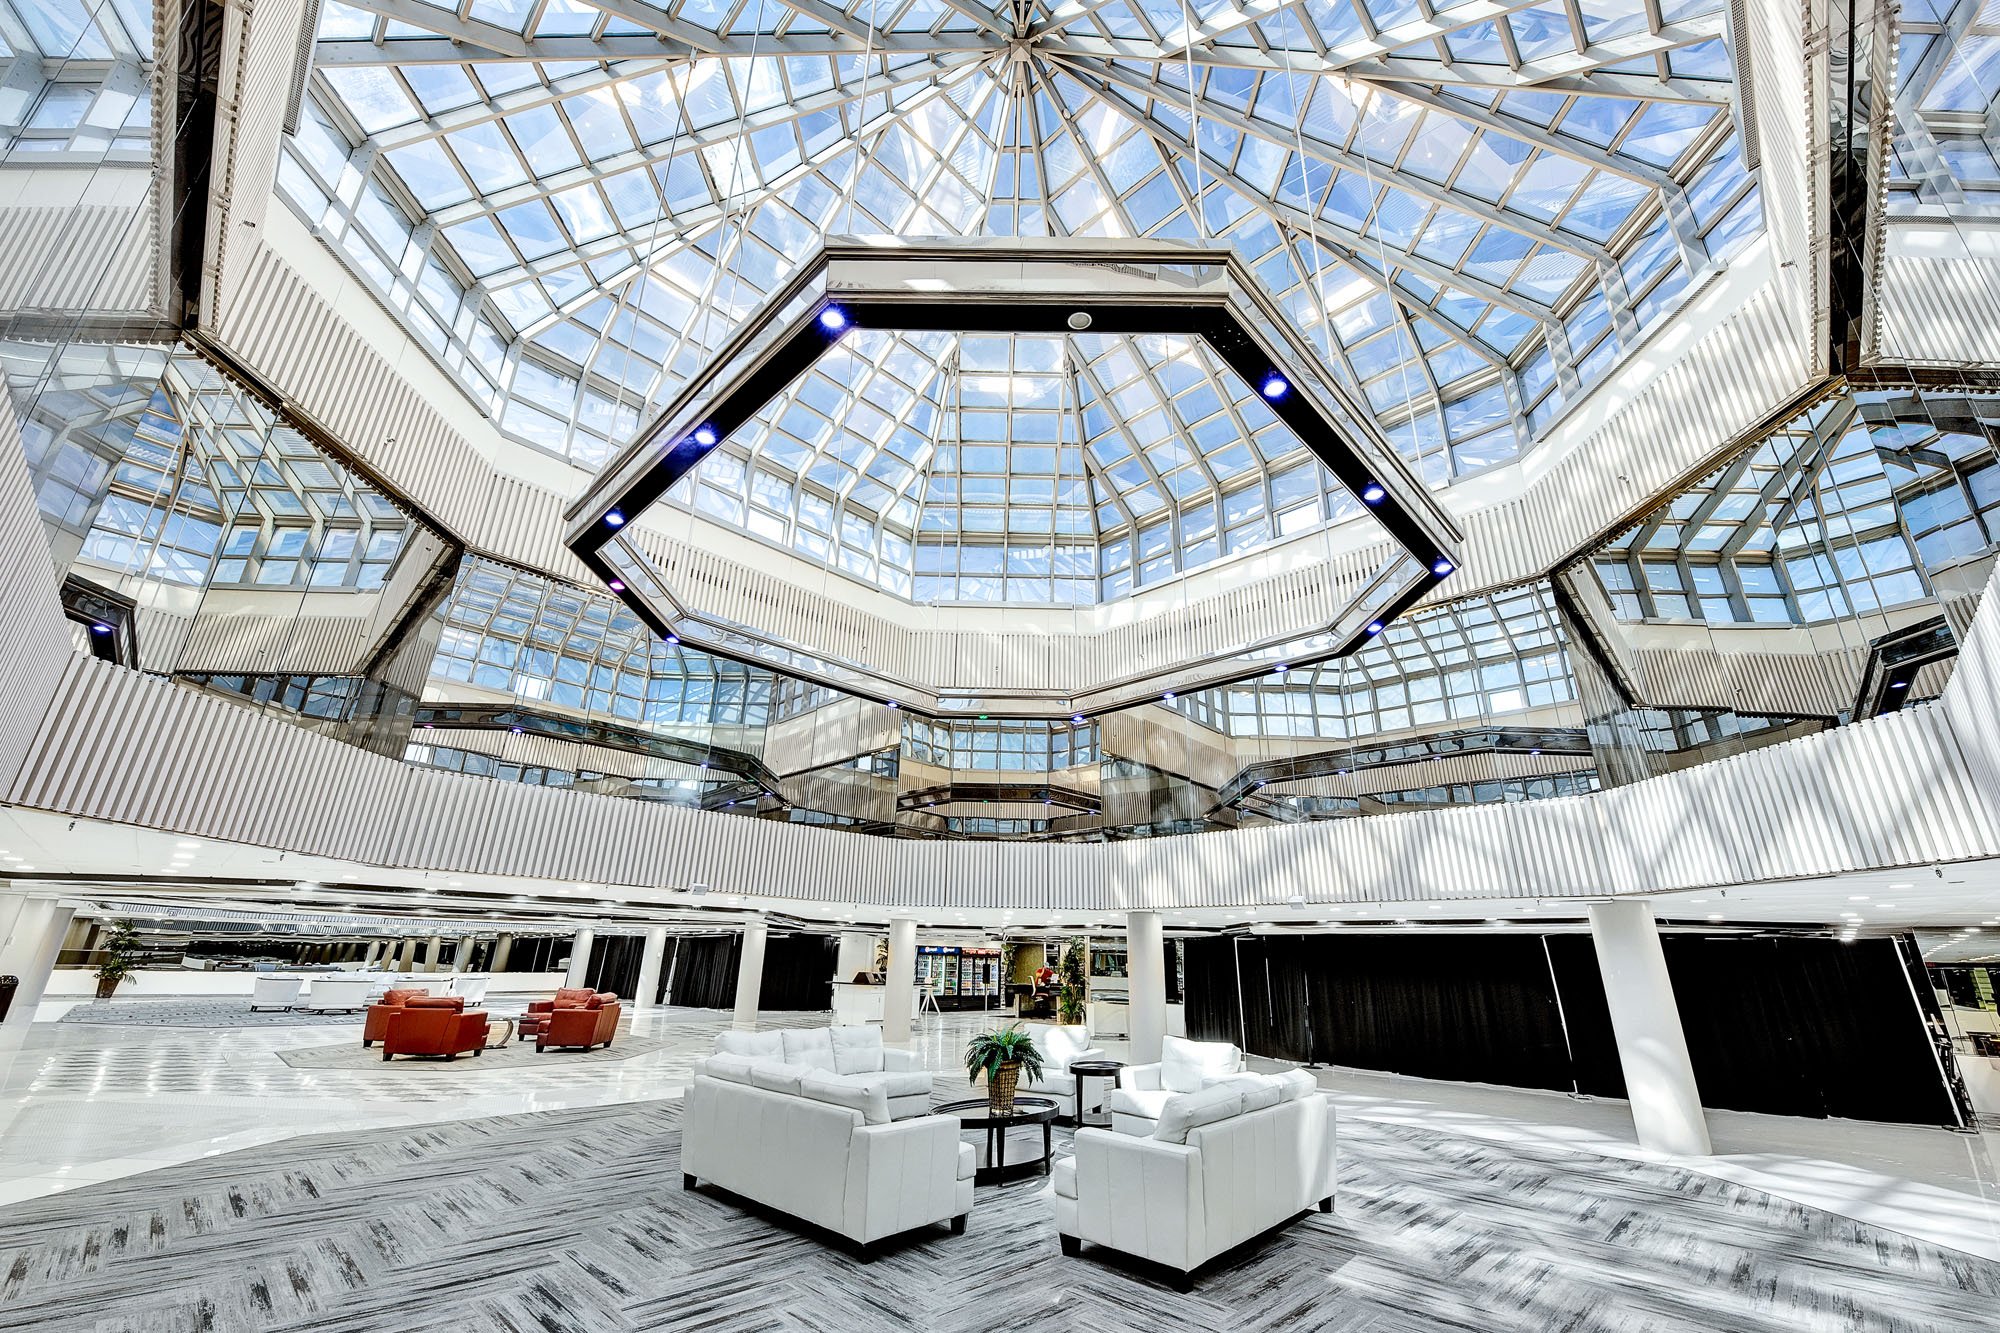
[1442, 567]
[100, 628]
[1373, 493]
[833, 319]
[1374, 627]
[705, 436]
[1275, 387]
[614, 519]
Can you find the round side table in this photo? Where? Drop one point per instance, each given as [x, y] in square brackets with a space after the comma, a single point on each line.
[1083, 1069]
[1027, 1111]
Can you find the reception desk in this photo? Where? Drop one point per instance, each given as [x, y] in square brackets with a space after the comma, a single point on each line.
[855, 1005]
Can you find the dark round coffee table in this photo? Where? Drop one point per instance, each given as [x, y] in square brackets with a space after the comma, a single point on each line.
[1084, 1069]
[978, 1114]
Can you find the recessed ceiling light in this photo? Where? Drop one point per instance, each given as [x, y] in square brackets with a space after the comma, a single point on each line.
[1857, 897]
[191, 846]
[1715, 916]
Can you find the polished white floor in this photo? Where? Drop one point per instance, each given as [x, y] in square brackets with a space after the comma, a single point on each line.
[86, 1103]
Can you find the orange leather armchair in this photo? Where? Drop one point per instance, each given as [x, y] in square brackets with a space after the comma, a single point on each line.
[594, 1024]
[434, 1026]
[536, 1021]
[392, 1002]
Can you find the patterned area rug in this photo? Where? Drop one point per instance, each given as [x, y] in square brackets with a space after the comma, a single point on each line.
[576, 1222]
[229, 1012]
[350, 1055]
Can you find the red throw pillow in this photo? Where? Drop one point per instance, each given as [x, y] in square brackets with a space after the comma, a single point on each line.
[405, 995]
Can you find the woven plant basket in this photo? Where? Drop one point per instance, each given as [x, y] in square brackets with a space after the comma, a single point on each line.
[1000, 1088]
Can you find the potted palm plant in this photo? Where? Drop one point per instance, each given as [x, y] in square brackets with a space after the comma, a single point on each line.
[121, 958]
[1001, 1056]
[1072, 988]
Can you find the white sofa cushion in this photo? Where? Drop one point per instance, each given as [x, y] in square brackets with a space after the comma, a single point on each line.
[896, 1082]
[1294, 1084]
[1186, 1065]
[756, 1045]
[811, 1047]
[872, 1100]
[968, 1161]
[1062, 1177]
[1259, 1090]
[1191, 1110]
[856, 1050]
[734, 1068]
[777, 1077]
[1144, 1102]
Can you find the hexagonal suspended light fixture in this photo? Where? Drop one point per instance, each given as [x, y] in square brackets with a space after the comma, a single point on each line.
[1028, 288]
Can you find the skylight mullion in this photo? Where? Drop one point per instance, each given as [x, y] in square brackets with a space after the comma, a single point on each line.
[1105, 75]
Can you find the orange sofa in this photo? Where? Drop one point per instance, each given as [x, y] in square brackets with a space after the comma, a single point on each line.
[377, 1026]
[434, 1025]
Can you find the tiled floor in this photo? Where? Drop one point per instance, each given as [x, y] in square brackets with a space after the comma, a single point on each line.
[83, 1103]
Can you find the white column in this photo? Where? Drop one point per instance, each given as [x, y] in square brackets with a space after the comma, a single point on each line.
[899, 993]
[431, 947]
[409, 955]
[857, 954]
[38, 937]
[650, 963]
[750, 973]
[503, 948]
[461, 961]
[1146, 970]
[1659, 1077]
[579, 957]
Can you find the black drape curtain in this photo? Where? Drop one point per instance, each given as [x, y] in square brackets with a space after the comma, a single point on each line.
[704, 969]
[614, 963]
[1788, 1025]
[1807, 1027]
[798, 972]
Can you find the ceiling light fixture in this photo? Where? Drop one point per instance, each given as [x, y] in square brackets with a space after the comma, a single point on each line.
[1373, 493]
[833, 319]
[705, 435]
[614, 519]
[1275, 387]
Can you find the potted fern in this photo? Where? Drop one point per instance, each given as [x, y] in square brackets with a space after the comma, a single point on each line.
[121, 958]
[1001, 1056]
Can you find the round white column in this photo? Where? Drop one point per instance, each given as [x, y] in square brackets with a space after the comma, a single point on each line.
[39, 932]
[431, 947]
[502, 949]
[1146, 971]
[899, 991]
[579, 958]
[461, 960]
[750, 973]
[649, 968]
[1659, 1077]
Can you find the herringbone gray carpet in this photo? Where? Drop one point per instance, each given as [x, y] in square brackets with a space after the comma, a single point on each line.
[575, 1222]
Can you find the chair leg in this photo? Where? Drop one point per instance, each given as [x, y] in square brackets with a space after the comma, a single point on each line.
[687, 1181]
[1183, 1282]
[958, 1225]
[478, 1051]
[1072, 1246]
[385, 1055]
[1326, 1204]
[366, 1042]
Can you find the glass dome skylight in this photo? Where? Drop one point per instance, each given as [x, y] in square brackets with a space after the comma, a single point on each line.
[1471, 210]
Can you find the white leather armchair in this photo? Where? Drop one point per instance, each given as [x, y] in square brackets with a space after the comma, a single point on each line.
[1061, 1046]
[275, 992]
[1184, 1066]
[328, 993]
[823, 1150]
[1216, 1173]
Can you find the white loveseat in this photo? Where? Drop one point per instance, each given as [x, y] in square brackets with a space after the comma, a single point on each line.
[1222, 1166]
[1184, 1066]
[1060, 1047]
[854, 1055]
[823, 1149]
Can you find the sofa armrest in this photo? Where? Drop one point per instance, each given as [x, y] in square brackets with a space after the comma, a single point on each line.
[541, 1006]
[902, 1175]
[1141, 1196]
[1145, 1077]
[899, 1062]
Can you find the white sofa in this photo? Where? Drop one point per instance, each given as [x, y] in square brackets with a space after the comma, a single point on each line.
[853, 1055]
[331, 992]
[823, 1149]
[1184, 1066]
[1222, 1166]
[275, 992]
[1060, 1045]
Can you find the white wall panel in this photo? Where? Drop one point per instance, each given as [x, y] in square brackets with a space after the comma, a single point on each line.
[34, 633]
[83, 258]
[1935, 310]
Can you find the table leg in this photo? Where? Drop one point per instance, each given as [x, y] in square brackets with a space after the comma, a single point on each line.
[1000, 1162]
[1048, 1140]
[1079, 1101]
